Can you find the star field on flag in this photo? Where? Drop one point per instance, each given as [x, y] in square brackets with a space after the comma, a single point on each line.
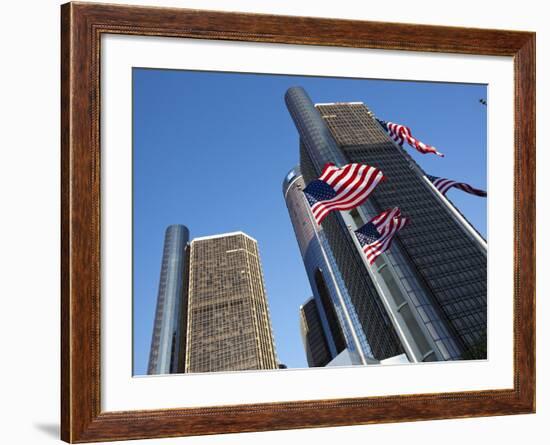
[341, 188]
[376, 236]
[444, 184]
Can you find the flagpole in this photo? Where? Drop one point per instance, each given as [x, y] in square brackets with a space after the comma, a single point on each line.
[467, 227]
[457, 214]
[411, 353]
[336, 286]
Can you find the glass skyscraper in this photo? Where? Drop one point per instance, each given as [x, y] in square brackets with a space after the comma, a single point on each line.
[313, 335]
[229, 326]
[168, 341]
[339, 321]
[212, 312]
[427, 295]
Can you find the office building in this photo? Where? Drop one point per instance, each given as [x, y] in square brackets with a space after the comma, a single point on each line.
[168, 341]
[339, 322]
[425, 297]
[229, 326]
[313, 335]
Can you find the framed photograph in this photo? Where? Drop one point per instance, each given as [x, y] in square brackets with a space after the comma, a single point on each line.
[274, 222]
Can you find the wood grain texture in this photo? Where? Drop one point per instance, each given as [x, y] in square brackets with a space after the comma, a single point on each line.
[81, 29]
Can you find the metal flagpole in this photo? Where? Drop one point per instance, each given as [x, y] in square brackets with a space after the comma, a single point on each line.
[411, 353]
[467, 227]
[457, 214]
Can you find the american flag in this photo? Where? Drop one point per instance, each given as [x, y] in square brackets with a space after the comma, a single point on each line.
[341, 188]
[377, 235]
[444, 184]
[400, 133]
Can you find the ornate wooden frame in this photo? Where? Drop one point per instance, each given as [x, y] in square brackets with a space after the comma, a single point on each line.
[82, 25]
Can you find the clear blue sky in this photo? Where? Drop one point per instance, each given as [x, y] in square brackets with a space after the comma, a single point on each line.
[211, 151]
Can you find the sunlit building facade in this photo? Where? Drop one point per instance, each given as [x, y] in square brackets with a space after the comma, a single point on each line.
[229, 327]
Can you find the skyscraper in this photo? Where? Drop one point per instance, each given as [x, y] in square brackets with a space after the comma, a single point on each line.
[168, 342]
[313, 335]
[229, 327]
[339, 322]
[427, 295]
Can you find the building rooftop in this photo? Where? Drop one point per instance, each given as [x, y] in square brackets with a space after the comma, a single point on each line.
[223, 235]
[338, 103]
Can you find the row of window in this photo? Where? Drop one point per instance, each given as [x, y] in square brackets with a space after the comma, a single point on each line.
[431, 233]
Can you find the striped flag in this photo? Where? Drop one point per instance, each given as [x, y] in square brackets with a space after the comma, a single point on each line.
[377, 235]
[400, 133]
[341, 188]
[444, 184]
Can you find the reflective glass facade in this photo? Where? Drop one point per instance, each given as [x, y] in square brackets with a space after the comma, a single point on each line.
[434, 278]
[337, 314]
[451, 264]
[313, 335]
[168, 340]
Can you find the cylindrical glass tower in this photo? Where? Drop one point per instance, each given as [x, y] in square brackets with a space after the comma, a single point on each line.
[339, 321]
[168, 342]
